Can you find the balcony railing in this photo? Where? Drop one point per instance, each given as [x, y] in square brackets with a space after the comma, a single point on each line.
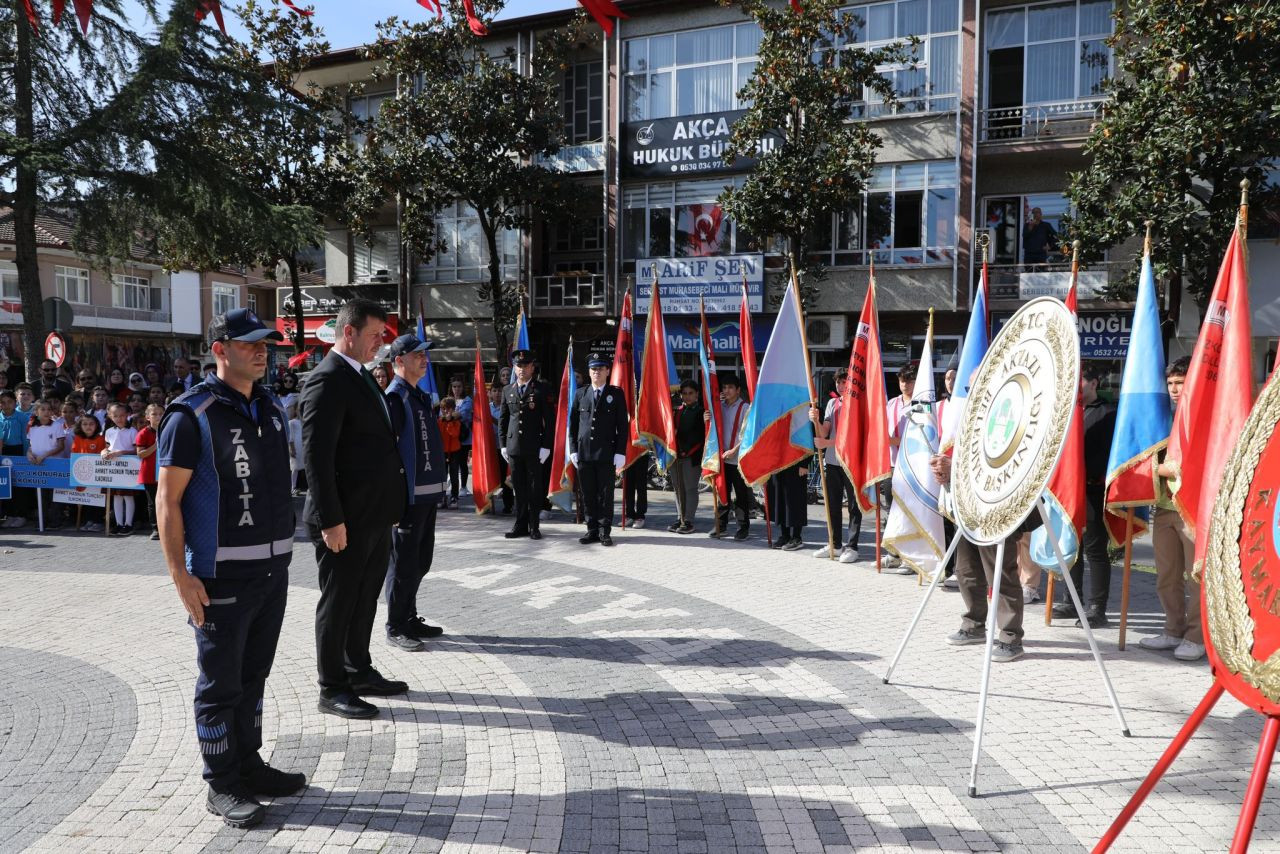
[1027, 281]
[1038, 122]
[569, 290]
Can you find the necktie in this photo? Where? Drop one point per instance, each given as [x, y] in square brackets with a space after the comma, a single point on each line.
[377, 392]
[597, 396]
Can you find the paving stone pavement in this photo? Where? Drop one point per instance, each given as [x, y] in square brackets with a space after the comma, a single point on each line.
[670, 694]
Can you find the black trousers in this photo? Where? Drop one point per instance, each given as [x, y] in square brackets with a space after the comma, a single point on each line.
[635, 489]
[234, 651]
[413, 545]
[350, 582]
[526, 478]
[740, 499]
[455, 463]
[841, 490]
[1093, 550]
[597, 494]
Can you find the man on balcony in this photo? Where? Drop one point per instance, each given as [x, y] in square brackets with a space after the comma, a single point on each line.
[1038, 239]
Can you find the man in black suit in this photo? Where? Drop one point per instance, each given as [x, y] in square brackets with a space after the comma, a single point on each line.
[357, 492]
[598, 446]
[527, 428]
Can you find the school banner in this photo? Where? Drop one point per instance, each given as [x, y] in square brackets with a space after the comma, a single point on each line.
[116, 474]
[52, 474]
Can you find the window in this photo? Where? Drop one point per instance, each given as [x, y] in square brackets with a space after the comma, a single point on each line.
[253, 302]
[72, 283]
[687, 73]
[365, 109]
[1047, 54]
[465, 257]
[9, 282]
[378, 259]
[584, 103]
[225, 298]
[1014, 239]
[679, 220]
[135, 292]
[930, 82]
[907, 216]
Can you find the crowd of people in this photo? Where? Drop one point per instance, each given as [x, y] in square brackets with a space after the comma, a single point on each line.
[378, 458]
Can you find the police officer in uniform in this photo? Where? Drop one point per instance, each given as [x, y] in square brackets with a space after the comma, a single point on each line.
[598, 446]
[226, 528]
[421, 447]
[526, 427]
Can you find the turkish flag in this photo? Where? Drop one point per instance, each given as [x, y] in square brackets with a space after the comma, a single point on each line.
[862, 432]
[1216, 397]
[623, 374]
[485, 476]
[747, 338]
[655, 419]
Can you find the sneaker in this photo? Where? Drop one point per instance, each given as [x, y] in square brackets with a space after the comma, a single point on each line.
[397, 638]
[905, 569]
[1030, 595]
[823, 553]
[742, 533]
[1097, 619]
[237, 807]
[717, 535]
[965, 637]
[272, 782]
[155, 535]
[1005, 652]
[891, 561]
[794, 546]
[674, 527]
[15, 522]
[1160, 642]
[951, 583]
[422, 630]
[685, 528]
[1189, 651]
[848, 556]
[92, 527]
[453, 501]
[124, 530]
[1064, 611]
[637, 523]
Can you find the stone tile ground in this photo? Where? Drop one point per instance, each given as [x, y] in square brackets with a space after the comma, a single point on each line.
[671, 694]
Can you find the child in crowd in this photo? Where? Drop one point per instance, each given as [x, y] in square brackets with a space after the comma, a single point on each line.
[13, 443]
[295, 445]
[451, 432]
[100, 400]
[146, 444]
[137, 403]
[44, 442]
[122, 439]
[88, 439]
[67, 425]
[26, 399]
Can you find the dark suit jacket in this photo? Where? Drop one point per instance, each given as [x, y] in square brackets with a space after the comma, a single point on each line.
[527, 424]
[354, 472]
[598, 431]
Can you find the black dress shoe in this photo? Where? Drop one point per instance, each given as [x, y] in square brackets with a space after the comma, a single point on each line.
[515, 533]
[591, 537]
[272, 782]
[373, 684]
[422, 630]
[236, 807]
[535, 534]
[606, 540]
[347, 705]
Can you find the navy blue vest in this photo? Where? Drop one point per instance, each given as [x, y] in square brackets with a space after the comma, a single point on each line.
[237, 509]
[420, 444]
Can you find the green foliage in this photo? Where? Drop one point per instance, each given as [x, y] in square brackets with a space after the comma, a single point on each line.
[466, 125]
[808, 81]
[1194, 109]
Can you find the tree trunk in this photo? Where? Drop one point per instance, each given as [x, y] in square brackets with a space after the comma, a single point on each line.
[26, 204]
[496, 287]
[300, 330]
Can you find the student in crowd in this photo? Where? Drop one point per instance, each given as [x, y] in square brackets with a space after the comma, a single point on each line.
[121, 440]
[43, 442]
[156, 395]
[88, 439]
[295, 447]
[137, 403]
[451, 434]
[686, 468]
[13, 443]
[733, 412]
[100, 399]
[66, 424]
[788, 501]
[146, 445]
[1175, 548]
[841, 488]
[897, 412]
[458, 390]
[152, 376]
[26, 400]
[635, 490]
[117, 385]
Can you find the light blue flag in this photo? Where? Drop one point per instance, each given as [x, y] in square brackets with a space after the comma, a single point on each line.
[427, 385]
[1143, 415]
[976, 342]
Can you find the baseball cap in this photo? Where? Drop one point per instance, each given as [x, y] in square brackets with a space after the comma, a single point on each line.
[241, 324]
[407, 344]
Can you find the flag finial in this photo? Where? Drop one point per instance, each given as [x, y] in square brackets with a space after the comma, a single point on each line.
[1146, 241]
[984, 243]
[1244, 207]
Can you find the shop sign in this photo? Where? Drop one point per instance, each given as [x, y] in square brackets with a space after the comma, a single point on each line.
[716, 280]
[1103, 334]
[588, 157]
[688, 145]
[325, 300]
[1091, 284]
[726, 335]
[317, 334]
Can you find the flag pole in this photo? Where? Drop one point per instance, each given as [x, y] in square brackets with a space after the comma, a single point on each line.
[630, 415]
[813, 401]
[768, 516]
[876, 486]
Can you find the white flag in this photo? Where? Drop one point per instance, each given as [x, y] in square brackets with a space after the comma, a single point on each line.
[914, 529]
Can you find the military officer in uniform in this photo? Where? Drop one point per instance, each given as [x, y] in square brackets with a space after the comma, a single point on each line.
[527, 428]
[598, 446]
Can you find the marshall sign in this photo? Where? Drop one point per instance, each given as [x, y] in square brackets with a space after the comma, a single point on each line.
[690, 145]
[319, 301]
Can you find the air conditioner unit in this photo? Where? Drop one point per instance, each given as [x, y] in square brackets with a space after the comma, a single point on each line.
[826, 332]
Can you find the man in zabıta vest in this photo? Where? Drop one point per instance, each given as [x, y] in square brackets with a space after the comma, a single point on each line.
[413, 539]
[733, 412]
[226, 529]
